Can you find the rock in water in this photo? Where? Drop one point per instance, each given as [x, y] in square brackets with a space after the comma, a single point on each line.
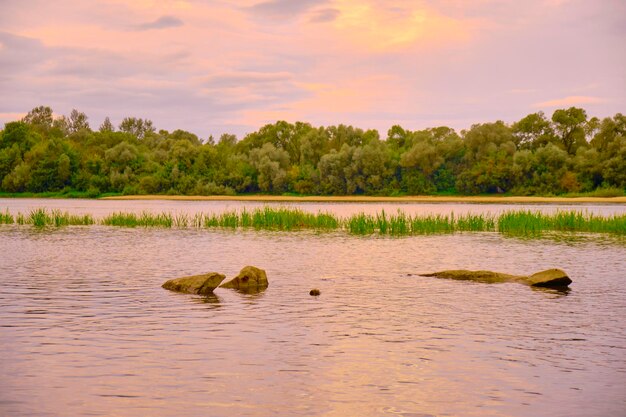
[314, 292]
[488, 277]
[197, 284]
[249, 279]
[551, 278]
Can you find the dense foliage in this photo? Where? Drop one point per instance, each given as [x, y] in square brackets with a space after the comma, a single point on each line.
[567, 153]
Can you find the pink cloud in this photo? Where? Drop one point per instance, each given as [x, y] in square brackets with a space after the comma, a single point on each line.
[570, 101]
[371, 63]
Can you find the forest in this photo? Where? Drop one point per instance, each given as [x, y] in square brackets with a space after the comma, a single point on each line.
[567, 153]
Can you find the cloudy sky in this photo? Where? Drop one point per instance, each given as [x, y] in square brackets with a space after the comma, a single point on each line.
[231, 66]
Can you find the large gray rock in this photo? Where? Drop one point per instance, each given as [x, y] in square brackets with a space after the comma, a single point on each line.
[551, 278]
[197, 284]
[249, 279]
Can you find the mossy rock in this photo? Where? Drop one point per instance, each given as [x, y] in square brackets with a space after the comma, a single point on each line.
[249, 278]
[488, 277]
[551, 278]
[197, 284]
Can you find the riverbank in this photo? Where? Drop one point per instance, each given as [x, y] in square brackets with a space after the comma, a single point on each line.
[370, 199]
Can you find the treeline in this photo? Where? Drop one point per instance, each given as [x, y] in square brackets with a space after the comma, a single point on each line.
[567, 153]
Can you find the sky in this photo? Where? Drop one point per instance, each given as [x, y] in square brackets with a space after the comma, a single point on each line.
[213, 67]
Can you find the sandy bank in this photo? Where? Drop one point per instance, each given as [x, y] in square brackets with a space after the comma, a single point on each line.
[369, 199]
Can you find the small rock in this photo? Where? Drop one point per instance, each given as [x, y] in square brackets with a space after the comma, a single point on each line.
[314, 292]
[250, 278]
[197, 284]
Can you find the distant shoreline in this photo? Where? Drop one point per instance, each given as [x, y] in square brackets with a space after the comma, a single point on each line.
[370, 199]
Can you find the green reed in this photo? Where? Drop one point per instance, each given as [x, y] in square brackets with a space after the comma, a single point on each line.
[180, 220]
[475, 223]
[526, 222]
[514, 222]
[6, 218]
[144, 219]
[41, 218]
[62, 218]
[431, 224]
[197, 220]
[402, 224]
[361, 224]
[268, 218]
[521, 222]
[225, 220]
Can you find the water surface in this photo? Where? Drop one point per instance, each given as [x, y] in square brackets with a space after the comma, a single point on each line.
[85, 328]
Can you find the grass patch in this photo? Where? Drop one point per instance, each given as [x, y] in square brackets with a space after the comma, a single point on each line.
[144, 219]
[608, 192]
[431, 224]
[526, 222]
[268, 218]
[361, 224]
[6, 218]
[475, 223]
[513, 222]
[42, 218]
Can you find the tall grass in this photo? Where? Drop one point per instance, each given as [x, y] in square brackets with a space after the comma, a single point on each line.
[6, 218]
[512, 222]
[284, 218]
[144, 219]
[402, 224]
[475, 223]
[268, 218]
[431, 224]
[599, 192]
[42, 218]
[526, 222]
[361, 224]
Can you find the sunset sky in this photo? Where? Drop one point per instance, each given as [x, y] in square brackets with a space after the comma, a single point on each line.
[231, 66]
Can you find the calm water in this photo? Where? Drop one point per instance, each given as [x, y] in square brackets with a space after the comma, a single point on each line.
[85, 328]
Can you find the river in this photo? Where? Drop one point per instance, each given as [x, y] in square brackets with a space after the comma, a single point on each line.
[86, 329]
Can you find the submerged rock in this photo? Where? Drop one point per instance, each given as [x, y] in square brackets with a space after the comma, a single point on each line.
[487, 277]
[549, 278]
[552, 278]
[197, 284]
[249, 279]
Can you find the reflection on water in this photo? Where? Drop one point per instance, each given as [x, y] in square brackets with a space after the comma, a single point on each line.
[559, 292]
[86, 329]
[252, 292]
[212, 299]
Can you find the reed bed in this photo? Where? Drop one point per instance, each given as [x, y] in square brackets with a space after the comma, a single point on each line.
[42, 218]
[283, 218]
[402, 224]
[513, 222]
[526, 222]
[144, 219]
[6, 218]
[431, 224]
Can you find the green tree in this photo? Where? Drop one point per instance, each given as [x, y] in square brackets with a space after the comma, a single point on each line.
[40, 116]
[77, 122]
[271, 164]
[569, 126]
[533, 131]
[106, 126]
[137, 127]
